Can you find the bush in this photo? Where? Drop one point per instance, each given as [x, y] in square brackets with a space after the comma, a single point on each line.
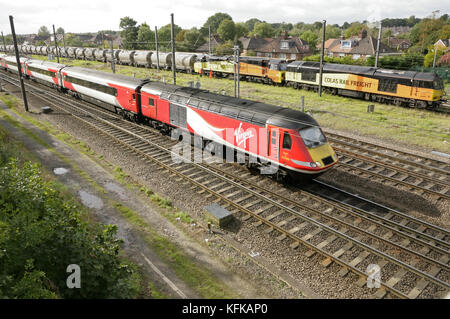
[41, 233]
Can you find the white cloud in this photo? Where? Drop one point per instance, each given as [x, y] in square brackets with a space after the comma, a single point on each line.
[84, 15]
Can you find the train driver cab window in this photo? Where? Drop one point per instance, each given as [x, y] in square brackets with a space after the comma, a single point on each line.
[151, 102]
[312, 136]
[287, 141]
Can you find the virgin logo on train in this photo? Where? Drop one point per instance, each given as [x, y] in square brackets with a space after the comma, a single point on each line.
[242, 136]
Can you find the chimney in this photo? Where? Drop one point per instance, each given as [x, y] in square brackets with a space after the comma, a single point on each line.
[284, 35]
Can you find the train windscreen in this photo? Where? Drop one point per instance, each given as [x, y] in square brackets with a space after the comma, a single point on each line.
[312, 136]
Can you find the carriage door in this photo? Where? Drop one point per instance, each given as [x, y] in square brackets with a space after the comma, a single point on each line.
[274, 143]
[415, 88]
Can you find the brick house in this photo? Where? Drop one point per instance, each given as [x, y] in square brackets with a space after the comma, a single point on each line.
[283, 47]
[215, 42]
[443, 44]
[398, 44]
[360, 47]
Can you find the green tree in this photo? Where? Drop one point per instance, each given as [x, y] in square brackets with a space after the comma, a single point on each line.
[317, 25]
[428, 31]
[281, 27]
[251, 24]
[429, 57]
[43, 31]
[264, 30]
[240, 29]
[192, 40]
[73, 41]
[226, 30]
[332, 32]
[145, 34]
[60, 30]
[214, 21]
[444, 33]
[129, 33]
[225, 48]
[164, 35]
[311, 38]
[354, 29]
[42, 232]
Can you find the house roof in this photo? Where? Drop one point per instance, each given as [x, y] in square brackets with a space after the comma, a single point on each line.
[254, 43]
[363, 46]
[444, 60]
[328, 43]
[395, 42]
[295, 45]
[445, 42]
[215, 42]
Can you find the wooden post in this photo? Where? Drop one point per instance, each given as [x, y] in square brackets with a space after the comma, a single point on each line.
[321, 56]
[172, 32]
[19, 66]
[302, 103]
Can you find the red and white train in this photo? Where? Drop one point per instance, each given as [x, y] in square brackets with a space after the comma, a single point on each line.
[290, 139]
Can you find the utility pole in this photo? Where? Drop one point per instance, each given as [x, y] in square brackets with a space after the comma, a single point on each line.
[236, 71]
[4, 43]
[322, 50]
[19, 66]
[209, 33]
[377, 54]
[56, 44]
[434, 59]
[172, 32]
[113, 66]
[157, 51]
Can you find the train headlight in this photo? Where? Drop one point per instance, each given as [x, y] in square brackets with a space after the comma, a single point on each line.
[313, 165]
[318, 164]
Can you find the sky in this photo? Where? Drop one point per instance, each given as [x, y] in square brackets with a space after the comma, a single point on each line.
[93, 15]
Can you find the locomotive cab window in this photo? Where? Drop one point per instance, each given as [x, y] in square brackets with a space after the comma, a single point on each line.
[312, 136]
[151, 102]
[438, 84]
[287, 141]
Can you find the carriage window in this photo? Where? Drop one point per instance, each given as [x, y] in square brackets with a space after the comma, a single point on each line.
[287, 141]
[151, 102]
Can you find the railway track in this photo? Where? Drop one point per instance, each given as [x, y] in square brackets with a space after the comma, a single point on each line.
[339, 234]
[420, 174]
